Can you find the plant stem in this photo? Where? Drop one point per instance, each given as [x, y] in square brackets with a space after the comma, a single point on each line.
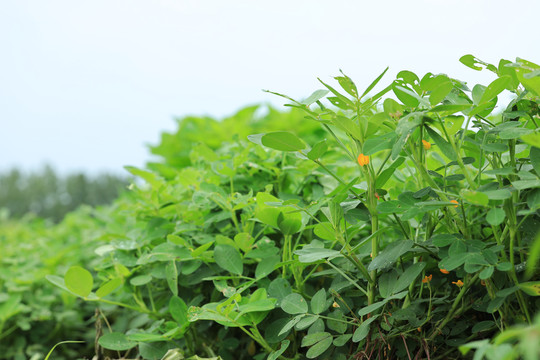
[450, 314]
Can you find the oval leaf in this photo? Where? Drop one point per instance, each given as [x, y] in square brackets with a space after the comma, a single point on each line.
[228, 258]
[79, 281]
[283, 141]
[294, 304]
[116, 341]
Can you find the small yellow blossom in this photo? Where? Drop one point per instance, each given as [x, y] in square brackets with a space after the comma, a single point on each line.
[455, 202]
[444, 271]
[458, 283]
[335, 305]
[427, 279]
[363, 160]
[426, 144]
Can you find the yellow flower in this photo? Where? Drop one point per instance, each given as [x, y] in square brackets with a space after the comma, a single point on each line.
[444, 271]
[363, 160]
[427, 279]
[458, 283]
[335, 305]
[455, 202]
[427, 145]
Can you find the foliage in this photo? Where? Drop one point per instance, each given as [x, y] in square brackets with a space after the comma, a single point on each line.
[407, 228]
[49, 195]
[33, 315]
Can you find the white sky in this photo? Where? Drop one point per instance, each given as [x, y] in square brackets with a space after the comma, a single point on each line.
[84, 85]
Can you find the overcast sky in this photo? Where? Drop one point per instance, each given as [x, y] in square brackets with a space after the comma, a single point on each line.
[84, 85]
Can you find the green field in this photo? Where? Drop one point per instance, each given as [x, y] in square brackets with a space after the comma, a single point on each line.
[392, 220]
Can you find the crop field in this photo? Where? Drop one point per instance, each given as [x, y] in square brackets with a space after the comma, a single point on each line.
[397, 219]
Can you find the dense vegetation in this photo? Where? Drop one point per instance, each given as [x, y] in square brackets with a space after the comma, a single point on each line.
[48, 195]
[397, 222]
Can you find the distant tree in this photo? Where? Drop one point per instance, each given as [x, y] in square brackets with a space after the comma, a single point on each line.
[49, 195]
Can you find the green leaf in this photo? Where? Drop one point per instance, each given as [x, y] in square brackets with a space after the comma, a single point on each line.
[530, 83]
[495, 216]
[116, 341]
[440, 92]
[79, 281]
[406, 96]
[444, 145]
[495, 147]
[390, 254]
[145, 337]
[534, 256]
[274, 355]
[486, 273]
[140, 280]
[348, 126]
[306, 322]
[266, 267]
[504, 266]
[408, 276]
[319, 347]
[495, 88]
[257, 306]
[374, 83]
[470, 61]
[289, 223]
[475, 197]
[318, 150]
[294, 304]
[391, 206]
[442, 240]
[535, 159]
[500, 194]
[283, 141]
[336, 321]
[458, 248]
[387, 173]
[526, 184]
[317, 95]
[325, 231]
[153, 351]
[318, 302]
[178, 310]
[312, 339]
[171, 273]
[362, 331]
[342, 340]
[379, 143]
[347, 84]
[452, 262]
[532, 139]
[312, 254]
[290, 324]
[531, 288]
[387, 282]
[514, 133]
[450, 108]
[109, 287]
[228, 258]
[495, 304]
[482, 326]
[57, 281]
[501, 171]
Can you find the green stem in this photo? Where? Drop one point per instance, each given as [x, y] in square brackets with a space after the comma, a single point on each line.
[354, 283]
[450, 314]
